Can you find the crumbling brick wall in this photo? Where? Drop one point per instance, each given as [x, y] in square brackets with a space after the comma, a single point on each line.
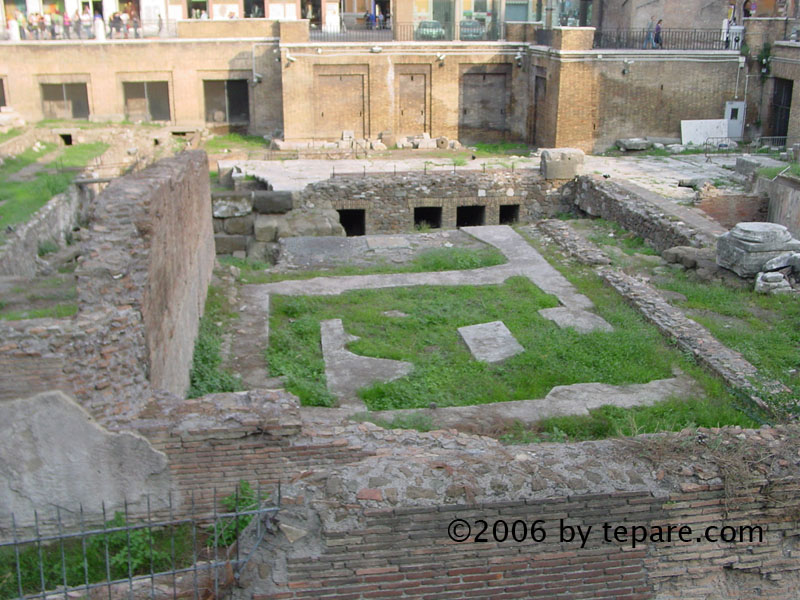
[141, 287]
[383, 527]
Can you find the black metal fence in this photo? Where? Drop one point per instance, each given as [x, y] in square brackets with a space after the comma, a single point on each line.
[194, 556]
[343, 33]
[668, 39]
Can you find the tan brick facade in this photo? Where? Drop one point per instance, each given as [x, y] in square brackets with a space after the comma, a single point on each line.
[564, 95]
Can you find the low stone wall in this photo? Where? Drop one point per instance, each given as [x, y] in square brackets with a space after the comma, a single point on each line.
[784, 203]
[608, 200]
[51, 222]
[406, 522]
[389, 200]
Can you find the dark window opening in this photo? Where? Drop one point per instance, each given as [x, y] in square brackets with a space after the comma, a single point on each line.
[509, 214]
[146, 100]
[156, 142]
[227, 101]
[781, 105]
[2, 92]
[469, 216]
[353, 221]
[428, 216]
[66, 138]
[65, 101]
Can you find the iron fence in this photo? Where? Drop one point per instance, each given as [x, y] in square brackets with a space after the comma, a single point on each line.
[343, 33]
[715, 146]
[174, 557]
[671, 39]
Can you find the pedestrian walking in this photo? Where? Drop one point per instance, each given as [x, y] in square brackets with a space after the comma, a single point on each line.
[657, 37]
[648, 38]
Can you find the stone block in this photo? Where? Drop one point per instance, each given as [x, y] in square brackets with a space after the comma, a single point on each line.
[228, 244]
[490, 342]
[265, 227]
[219, 225]
[225, 176]
[425, 144]
[561, 163]
[388, 139]
[262, 251]
[747, 247]
[633, 144]
[271, 202]
[348, 135]
[746, 166]
[378, 146]
[227, 206]
[240, 225]
[675, 148]
[787, 259]
[772, 283]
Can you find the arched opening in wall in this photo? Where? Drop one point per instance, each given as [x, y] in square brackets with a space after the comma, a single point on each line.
[66, 138]
[469, 216]
[354, 221]
[428, 216]
[509, 214]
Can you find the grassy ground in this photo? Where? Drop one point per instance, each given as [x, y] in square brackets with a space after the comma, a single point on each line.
[11, 133]
[21, 199]
[235, 141]
[207, 375]
[773, 172]
[764, 328]
[445, 373]
[444, 259]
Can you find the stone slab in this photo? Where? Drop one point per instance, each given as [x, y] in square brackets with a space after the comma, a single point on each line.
[380, 242]
[347, 372]
[490, 342]
[580, 320]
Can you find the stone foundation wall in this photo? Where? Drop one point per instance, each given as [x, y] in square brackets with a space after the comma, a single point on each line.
[610, 201]
[141, 289]
[51, 222]
[730, 209]
[784, 203]
[382, 527]
[389, 200]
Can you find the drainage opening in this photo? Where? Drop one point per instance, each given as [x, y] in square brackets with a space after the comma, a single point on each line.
[353, 221]
[66, 138]
[468, 216]
[509, 214]
[428, 216]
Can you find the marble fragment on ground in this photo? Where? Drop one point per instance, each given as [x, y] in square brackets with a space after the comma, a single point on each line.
[347, 372]
[580, 320]
[490, 342]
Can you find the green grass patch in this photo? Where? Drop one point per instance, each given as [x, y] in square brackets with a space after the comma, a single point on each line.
[46, 247]
[235, 141]
[773, 172]
[58, 311]
[504, 148]
[19, 200]
[445, 372]
[11, 133]
[609, 233]
[207, 375]
[437, 259]
[171, 545]
[763, 327]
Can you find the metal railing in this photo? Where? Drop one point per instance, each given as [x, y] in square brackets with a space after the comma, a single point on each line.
[670, 39]
[714, 146]
[356, 33]
[195, 555]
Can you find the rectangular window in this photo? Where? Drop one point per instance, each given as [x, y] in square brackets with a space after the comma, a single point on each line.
[146, 100]
[227, 101]
[65, 101]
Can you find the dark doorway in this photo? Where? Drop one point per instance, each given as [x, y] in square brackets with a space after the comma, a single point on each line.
[65, 101]
[66, 138]
[509, 214]
[227, 101]
[539, 91]
[146, 100]
[781, 102]
[430, 216]
[353, 221]
[2, 92]
[468, 216]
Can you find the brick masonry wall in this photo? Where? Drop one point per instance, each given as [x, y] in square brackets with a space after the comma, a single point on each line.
[390, 200]
[730, 209]
[784, 203]
[141, 287]
[379, 528]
